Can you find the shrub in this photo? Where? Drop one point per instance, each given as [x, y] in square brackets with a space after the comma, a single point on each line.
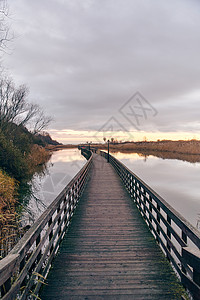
[8, 215]
[12, 160]
[38, 156]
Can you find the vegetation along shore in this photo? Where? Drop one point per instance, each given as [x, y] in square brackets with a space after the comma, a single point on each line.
[191, 147]
[23, 151]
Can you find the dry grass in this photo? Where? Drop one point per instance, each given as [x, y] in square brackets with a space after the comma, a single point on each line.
[60, 147]
[8, 215]
[181, 147]
[10, 230]
[37, 157]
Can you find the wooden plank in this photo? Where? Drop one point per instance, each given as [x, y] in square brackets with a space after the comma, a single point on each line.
[108, 250]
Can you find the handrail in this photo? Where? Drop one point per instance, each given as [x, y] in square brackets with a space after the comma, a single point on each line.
[178, 239]
[86, 153]
[24, 269]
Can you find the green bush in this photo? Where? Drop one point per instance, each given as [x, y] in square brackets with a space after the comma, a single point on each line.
[12, 160]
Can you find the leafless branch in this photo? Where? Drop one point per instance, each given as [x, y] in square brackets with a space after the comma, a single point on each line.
[14, 108]
[5, 32]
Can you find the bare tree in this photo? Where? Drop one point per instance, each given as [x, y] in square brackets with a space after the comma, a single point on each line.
[15, 108]
[41, 122]
[12, 101]
[31, 110]
[5, 33]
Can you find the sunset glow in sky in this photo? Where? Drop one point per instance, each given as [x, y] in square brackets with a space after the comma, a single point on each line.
[76, 137]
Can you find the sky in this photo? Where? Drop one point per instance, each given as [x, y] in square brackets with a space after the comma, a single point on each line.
[122, 68]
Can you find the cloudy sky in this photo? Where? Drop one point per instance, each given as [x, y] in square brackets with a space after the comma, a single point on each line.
[128, 66]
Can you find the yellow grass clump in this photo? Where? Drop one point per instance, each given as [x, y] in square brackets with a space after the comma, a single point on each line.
[37, 157]
[8, 215]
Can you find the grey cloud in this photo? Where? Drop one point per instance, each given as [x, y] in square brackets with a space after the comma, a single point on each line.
[84, 59]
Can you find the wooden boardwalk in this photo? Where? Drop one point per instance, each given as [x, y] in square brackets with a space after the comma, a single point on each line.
[109, 252]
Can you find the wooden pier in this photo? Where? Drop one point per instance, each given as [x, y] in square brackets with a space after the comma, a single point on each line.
[108, 252]
[106, 236]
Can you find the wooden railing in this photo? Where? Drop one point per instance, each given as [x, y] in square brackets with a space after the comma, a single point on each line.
[86, 153]
[86, 150]
[178, 239]
[24, 269]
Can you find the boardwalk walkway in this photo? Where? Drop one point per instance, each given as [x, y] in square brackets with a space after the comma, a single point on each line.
[109, 252]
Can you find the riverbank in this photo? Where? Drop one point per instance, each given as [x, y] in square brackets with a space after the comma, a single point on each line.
[12, 192]
[191, 158]
[191, 147]
[60, 147]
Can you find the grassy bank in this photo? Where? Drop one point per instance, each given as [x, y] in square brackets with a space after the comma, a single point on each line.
[21, 155]
[60, 147]
[8, 214]
[191, 147]
[11, 198]
[192, 158]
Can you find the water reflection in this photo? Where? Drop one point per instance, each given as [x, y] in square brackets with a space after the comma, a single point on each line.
[175, 180]
[62, 167]
[67, 155]
[192, 158]
[129, 156]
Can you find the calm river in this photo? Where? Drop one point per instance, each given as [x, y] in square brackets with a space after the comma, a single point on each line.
[61, 168]
[176, 181]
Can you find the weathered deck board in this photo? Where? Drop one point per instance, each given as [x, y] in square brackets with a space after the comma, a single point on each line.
[108, 251]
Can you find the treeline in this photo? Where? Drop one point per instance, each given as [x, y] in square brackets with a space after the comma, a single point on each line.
[22, 150]
[21, 142]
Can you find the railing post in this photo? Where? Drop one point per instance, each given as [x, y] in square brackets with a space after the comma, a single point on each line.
[169, 220]
[65, 209]
[191, 257]
[59, 220]
[5, 287]
[37, 243]
[150, 209]
[73, 199]
[21, 266]
[108, 158]
[184, 238]
[40, 253]
[51, 234]
[158, 220]
[70, 205]
[144, 204]
[139, 196]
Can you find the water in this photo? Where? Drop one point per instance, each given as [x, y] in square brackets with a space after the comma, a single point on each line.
[175, 180]
[61, 168]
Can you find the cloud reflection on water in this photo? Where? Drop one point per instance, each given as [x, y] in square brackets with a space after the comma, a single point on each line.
[63, 166]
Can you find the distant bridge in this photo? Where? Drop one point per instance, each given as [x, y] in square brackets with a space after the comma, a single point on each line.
[112, 227]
